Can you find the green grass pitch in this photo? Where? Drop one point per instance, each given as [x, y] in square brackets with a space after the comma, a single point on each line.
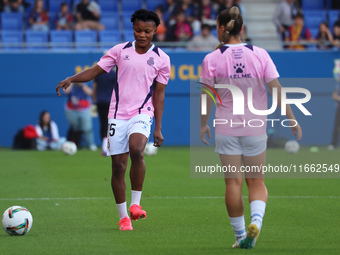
[74, 212]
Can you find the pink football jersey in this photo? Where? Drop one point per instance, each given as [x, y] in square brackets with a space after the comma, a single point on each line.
[136, 74]
[244, 66]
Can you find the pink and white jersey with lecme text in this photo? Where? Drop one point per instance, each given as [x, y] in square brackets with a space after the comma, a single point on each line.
[136, 74]
[244, 66]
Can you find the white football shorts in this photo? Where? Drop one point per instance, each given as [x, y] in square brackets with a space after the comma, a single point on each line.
[119, 131]
[240, 145]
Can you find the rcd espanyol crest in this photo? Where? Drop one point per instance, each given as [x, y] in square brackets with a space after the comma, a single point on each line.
[150, 61]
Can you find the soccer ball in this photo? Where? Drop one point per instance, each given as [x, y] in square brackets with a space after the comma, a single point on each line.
[150, 150]
[69, 148]
[292, 146]
[17, 221]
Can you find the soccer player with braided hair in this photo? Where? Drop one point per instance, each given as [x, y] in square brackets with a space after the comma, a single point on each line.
[239, 144]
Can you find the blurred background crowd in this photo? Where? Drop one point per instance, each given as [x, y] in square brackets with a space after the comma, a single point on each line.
[190, 24]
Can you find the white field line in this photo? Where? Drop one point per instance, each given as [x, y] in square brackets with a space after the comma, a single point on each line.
[184, 197]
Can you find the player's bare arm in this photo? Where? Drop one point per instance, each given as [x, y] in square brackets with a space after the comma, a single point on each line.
[158, 103]
[94, 91]
[297, 131]
[205, 129]
[83, 76]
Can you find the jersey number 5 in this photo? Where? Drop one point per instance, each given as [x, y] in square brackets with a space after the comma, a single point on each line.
[111, 129]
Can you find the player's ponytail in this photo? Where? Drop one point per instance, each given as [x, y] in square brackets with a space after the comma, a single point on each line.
[233, 21]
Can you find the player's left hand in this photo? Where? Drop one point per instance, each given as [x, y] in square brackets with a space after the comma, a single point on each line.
[297, 131]
[158, 138]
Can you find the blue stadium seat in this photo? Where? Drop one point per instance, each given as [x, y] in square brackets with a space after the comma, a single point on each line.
[129, 6]
[108, 5]
[74, 6]
[312, 5]
[53, 17]
[314, 32]
[109, 38]
[153, 4]
[54, 5]
[11, 21]
[333, 16]
[36, 40]
[128, 35]
[61, 40]
[314, 18]
[12, 40]
[127, 24]
[85, 40]
[110, 20]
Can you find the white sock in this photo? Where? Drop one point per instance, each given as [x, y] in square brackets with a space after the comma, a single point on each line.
[135, 197]
[239, 226]
[122, 210]
[257, 210]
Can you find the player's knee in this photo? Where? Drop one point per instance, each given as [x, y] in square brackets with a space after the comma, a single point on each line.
[118, 168]
[136, 154]
[234, 181]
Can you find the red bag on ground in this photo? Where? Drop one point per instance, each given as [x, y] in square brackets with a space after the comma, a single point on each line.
[30, 132]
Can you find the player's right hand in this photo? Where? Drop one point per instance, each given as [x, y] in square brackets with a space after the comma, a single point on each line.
[205, 130]
[63, 84]
[158, 138]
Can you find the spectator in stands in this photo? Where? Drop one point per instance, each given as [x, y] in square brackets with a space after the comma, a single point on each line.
[102, 90]
[39, 18]
[204, 41]
[169, 13]
[13, 6]
[64, 18]
[161, 29]
[217, 5]
[207, 13]
[189, 9]
[88, 16]
[298, 32]
[78, 111]
[283, 17]
[181, 30]
[324, 37]
[336, 34]
[335, 4]
[191, 12]
[48, 133]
